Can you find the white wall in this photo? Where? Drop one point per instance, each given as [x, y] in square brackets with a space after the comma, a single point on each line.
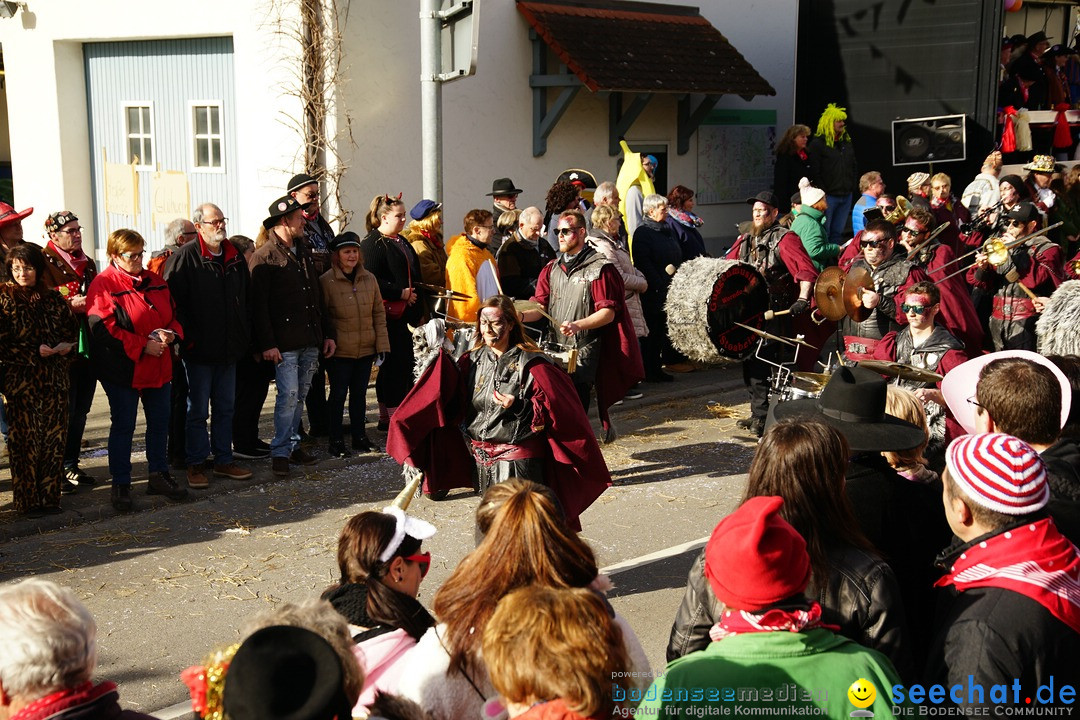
[46, 85]
[487, 117]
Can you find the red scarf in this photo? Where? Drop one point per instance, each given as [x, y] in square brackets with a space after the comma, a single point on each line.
[740, 622]
[1034, 560]
[66, 700]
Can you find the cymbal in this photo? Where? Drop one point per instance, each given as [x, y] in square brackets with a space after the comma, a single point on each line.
[827, 293]
[900, 370]
[443, 292]
[778, 338]
[857, 280]
[816, 380]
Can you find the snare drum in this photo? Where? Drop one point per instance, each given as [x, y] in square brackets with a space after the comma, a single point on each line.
[799, 389]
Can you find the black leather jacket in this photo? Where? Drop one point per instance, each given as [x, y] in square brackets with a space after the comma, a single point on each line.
[862, 597]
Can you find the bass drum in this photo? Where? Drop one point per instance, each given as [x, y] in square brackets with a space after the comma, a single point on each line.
[706, 298]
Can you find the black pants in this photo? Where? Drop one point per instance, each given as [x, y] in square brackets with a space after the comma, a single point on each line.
[80, 400]
[252, 383]
[348, 377]
[317, 409]
[396, 373]
[656, 342]
[178, 414]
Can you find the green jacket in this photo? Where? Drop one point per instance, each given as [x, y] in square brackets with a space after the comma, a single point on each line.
[809, 225]
[791, 672]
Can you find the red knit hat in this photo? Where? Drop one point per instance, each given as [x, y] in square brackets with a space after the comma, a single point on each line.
[999, 472]
[754, 558]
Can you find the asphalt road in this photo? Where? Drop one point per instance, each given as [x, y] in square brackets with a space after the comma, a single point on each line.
[170, 582]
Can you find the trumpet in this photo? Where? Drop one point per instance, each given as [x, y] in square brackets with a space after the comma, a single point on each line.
[899, 215]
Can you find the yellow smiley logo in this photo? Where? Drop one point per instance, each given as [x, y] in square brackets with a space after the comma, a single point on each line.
[862, 693]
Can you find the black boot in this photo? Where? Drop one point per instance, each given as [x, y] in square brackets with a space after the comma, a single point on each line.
[162, 483]
[121, 497]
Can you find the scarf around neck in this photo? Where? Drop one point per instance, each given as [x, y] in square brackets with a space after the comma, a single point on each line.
[683, 217]
[350, 600]
[1032, 559]
[741, 622]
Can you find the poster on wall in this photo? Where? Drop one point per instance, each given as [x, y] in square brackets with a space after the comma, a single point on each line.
[170, 196]
[735, 155]
[121, 188]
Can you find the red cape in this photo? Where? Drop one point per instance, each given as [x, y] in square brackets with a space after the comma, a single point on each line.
[425, 432]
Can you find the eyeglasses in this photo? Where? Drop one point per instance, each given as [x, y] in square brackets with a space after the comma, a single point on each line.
[72, 231]
[888, 208]
[215, 223]
[917, 309]
[423, 560]
[975, 402]
[133, 255]
[566, 231]
[871, 243]
[912, 231]
[1015, 223]
[193, 232]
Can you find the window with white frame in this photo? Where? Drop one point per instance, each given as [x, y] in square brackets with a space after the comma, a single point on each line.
[139, 124]
[206, 136]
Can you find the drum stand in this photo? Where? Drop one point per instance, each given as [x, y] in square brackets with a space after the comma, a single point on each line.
[781, 377]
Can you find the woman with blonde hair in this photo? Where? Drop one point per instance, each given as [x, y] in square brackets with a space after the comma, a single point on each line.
[425, 234]
[555, 654]
[528, 544]
[910, 464]
[133, 329]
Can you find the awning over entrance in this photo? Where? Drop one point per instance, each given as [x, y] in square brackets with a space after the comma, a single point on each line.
[633, 48]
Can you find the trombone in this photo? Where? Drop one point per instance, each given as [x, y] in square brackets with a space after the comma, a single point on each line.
[929, 238]
[996, 250]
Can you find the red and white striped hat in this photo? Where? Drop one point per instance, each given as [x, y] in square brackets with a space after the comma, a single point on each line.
[999, 472]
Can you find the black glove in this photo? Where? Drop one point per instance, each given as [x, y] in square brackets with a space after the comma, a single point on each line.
[799, 307]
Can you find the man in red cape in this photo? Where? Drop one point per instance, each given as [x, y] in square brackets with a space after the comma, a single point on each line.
[502, 410]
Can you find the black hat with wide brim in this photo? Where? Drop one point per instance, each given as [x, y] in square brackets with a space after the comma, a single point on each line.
[285, 673]
[853, 402]
[504, 186]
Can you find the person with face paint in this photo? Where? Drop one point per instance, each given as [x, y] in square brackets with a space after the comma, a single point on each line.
[929, 346]
[517, 410]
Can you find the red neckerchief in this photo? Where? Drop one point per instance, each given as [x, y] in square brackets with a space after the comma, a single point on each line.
[1034, 560]
[432, 237]
[802, 154]
[77, 262]
[58, 702]
[740, 622]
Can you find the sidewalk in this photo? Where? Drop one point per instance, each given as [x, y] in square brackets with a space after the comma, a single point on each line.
[92, 504]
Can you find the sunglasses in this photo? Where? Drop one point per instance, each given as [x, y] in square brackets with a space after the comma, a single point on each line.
[565, 231]
[912, 231]
[1016, 223]
[871, 243]
[423, 560]
[888, 208]
[917, 309]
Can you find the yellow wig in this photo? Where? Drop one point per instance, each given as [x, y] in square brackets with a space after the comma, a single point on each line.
[826, 126]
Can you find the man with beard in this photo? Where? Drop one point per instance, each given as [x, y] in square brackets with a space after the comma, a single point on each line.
[892, 275]
[780, 257]
[288, 323]
[1037, 264]
[209, 282]
[584, 295]
[69, 270]
[516, 411]
[318, 235]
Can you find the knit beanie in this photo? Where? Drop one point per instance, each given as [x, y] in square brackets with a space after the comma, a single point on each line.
[999, 472]
[754, 558]
[915, 181]
[808, 194]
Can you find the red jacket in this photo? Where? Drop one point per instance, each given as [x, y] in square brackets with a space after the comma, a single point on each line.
[123, 310]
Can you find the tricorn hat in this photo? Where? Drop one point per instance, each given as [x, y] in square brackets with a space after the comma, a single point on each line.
[504, 186]
[853, 402]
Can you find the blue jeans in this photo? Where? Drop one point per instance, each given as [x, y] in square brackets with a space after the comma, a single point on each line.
[837, 215]
[293, 378]
[123, 410]
[348, 376]
[209, 386]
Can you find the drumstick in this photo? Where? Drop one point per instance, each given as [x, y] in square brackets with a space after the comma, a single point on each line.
[670, 269]
[770, 314]
[1014, 277]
